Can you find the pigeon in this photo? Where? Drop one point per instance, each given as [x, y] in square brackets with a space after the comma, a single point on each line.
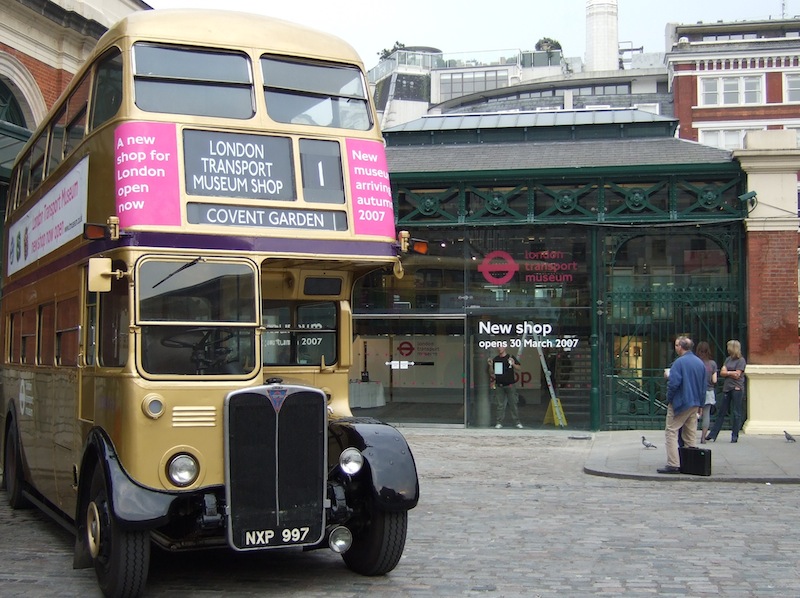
[647, 444]
[789, 437]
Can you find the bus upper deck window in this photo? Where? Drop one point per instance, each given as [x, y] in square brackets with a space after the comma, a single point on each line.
[107, 95]
[76, 116]
[317, 94]
[37, 162]
[189, 81]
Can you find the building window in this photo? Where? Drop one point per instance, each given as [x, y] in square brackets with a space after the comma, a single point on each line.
[729, 37]
[730, 91]
[792, 88]
[453, 85]
[728, 139]
[796, 132]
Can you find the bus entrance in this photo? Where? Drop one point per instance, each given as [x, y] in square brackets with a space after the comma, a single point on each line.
[409, 369]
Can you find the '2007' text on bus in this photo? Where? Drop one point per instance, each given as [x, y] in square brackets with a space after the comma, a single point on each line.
[181, 243]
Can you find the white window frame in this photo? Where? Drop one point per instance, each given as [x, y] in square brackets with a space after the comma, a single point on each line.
[789, 90]
[731, 138]
[741, 90]
[797, 135]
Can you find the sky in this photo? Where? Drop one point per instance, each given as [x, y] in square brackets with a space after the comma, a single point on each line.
[453, 26]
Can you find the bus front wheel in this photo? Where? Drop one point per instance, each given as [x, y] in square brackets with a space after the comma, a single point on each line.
[378, 546]
[12, 470]
[121, 557]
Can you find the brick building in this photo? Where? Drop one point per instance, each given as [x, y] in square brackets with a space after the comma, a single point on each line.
[728, 79]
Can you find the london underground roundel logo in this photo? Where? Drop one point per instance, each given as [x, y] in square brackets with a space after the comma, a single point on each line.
[405, 348]
[498, 267]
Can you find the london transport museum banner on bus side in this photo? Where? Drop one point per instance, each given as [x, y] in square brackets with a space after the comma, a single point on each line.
[57, 218]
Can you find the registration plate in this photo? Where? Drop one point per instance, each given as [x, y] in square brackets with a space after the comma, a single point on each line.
[271, 537]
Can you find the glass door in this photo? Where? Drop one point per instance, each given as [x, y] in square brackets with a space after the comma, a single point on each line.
[409, 369]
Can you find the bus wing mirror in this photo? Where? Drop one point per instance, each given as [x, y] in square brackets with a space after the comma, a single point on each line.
[100, 274]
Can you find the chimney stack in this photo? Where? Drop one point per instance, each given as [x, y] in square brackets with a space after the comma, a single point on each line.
[602, 35]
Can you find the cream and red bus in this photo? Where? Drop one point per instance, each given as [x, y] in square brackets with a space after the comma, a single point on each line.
[182, 237]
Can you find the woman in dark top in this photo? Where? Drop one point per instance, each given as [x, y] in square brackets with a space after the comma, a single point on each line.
[704, 353]
[732, 392]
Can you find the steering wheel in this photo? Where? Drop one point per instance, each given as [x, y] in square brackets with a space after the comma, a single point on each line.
[207, 351]
[204, 340]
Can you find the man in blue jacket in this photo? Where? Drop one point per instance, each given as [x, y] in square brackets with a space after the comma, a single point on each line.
[686, 393]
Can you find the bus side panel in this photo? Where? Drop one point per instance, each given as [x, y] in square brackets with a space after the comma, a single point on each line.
[27, 391]
[63, 402]
[44, 404]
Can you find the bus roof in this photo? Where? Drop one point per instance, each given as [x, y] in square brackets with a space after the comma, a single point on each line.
[230, 29]
[216, 29]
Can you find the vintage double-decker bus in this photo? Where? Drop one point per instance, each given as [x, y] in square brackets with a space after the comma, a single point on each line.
[182, 238]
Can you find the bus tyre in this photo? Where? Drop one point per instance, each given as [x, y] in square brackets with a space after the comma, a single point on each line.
[121, 558]
[378, 546]
[12, 470]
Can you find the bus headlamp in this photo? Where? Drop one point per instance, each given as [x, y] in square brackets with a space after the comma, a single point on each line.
[340, 539]
[182, 470]
[153, 406]
[351, 461]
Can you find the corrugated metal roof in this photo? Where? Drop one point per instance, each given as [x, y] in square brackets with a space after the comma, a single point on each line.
[608, 153]
[506, 120]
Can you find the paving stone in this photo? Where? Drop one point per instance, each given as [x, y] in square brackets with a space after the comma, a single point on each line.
[506, 514]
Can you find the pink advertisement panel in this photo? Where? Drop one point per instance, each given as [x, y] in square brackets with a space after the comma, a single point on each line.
[373, 212]
[146, 174]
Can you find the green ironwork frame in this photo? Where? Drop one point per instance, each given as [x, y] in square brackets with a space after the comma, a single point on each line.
[709, 311]
[644, 198]
[621, 204]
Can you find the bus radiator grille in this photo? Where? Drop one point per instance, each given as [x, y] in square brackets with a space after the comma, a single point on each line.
[276, 460]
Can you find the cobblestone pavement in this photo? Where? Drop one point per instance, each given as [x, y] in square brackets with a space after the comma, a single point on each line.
[502, 513]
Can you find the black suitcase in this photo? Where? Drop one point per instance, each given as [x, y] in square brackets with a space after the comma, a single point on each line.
[695, 461]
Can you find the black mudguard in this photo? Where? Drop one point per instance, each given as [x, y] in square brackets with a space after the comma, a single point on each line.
[134, 506]
[390, 462]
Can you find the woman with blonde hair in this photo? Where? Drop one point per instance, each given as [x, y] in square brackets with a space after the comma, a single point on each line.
[732, 392]
[704, 353]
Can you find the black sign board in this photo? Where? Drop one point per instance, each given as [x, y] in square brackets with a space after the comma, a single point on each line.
[233, 215]
[238, 165]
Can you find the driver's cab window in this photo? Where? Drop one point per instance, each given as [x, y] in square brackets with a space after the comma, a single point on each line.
[197, 316]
